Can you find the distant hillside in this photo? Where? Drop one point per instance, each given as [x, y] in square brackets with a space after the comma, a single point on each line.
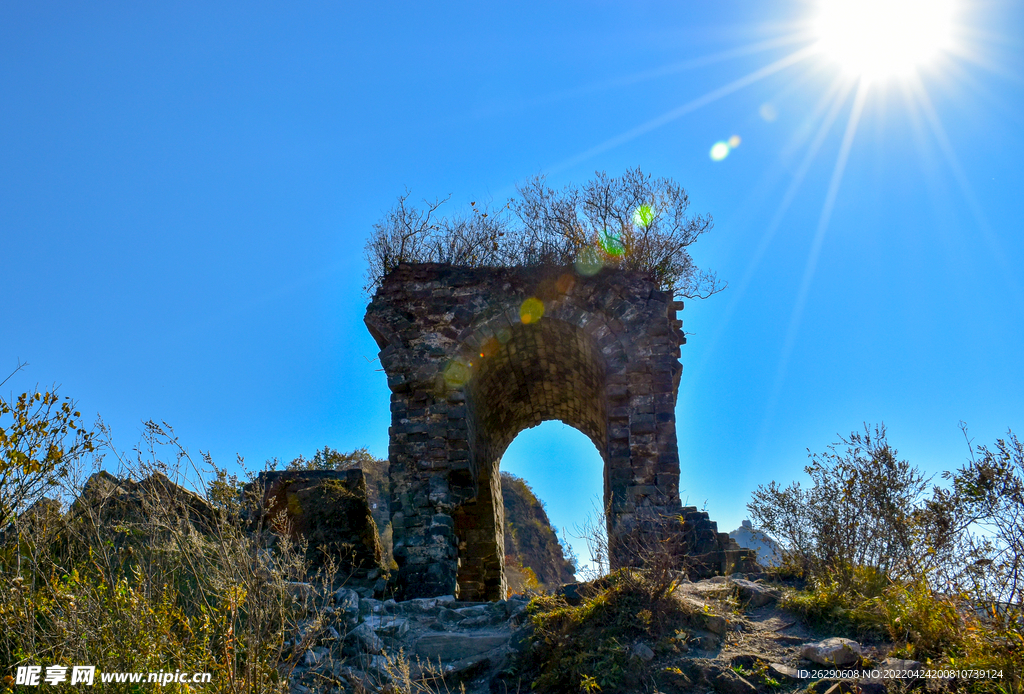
[768, 551]
[533, 555]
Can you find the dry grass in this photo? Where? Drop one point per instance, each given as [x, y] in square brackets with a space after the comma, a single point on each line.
[157, 582]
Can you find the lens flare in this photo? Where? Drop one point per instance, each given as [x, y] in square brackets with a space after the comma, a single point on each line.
[612, 244]
[588, 262]
[490, 347]
[768, 113]
[643, 216]
[531, 311]
[456, 374]
[719, 151]
[734, 142]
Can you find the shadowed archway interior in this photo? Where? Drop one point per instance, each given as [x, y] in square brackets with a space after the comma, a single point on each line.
[550, 370]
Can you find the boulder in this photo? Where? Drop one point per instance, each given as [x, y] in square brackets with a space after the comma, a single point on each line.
[642, 651]
[346, 602]
[833, 651]
[315, 656]
[755, 594]
[391, 627]
[449, 617]
[364, 639]
[473, 611]
[783, 673]
[470, 667]
[714, 623]
[368, 606]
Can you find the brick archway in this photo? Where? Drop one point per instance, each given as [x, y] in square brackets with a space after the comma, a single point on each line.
[544, 371]
[474, 356]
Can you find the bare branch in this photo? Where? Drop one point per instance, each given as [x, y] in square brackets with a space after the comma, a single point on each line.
[633, 222]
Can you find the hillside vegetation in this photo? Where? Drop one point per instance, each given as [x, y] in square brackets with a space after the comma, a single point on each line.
[534, 558]
[166, 567]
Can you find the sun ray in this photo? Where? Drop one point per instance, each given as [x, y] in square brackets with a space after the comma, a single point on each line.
[806, 130]
[699, 102]
[969, 56]
[826, 213]
[833, 102]
[796, 315]
[648, 75]
[793, 87]
[964, 79]
[991, 239]
[931, 166]
[684, 65]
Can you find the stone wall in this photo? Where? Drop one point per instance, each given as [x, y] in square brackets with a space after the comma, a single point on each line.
[328, 509]
[475, 355]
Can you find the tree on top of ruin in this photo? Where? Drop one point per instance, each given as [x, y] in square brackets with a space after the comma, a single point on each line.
[633, 222]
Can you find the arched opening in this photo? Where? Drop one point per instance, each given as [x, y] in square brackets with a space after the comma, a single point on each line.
[549, 370]
[566, 472]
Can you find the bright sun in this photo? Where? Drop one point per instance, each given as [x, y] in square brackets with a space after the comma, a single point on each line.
[883, 38]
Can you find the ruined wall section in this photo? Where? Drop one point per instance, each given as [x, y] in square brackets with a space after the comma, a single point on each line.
[471, 362]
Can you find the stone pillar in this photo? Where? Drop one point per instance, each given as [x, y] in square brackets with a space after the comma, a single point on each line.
[421, 497]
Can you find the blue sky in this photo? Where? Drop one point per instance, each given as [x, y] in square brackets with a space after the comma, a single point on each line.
[185, 191]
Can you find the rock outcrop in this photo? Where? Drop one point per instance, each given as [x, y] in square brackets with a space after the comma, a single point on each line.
[530, 540]
[155, 497]
[768, 551]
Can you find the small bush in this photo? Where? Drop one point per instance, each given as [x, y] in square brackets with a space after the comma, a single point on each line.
[588, 647]
[831, 602]
[865, 507]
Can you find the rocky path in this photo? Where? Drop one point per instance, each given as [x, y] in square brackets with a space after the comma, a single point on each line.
[742, 643]
[367, 645]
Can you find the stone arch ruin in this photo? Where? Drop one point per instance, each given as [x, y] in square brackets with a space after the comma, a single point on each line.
[474, 356]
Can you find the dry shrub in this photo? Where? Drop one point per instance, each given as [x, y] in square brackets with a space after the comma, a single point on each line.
[149, 581]
[400, 675]
[633, 221]
[658, 544]
[937, 572]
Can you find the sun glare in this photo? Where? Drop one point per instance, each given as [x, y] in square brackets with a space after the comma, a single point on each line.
[884, 38]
